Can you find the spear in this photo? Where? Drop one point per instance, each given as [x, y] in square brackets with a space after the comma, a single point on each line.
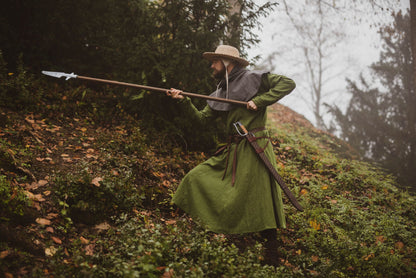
[149, 88]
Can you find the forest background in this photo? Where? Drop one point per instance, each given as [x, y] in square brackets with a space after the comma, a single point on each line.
[160, 44]
[108, 212]
[348, 58]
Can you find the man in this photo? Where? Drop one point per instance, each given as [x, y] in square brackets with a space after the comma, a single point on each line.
[233, 192]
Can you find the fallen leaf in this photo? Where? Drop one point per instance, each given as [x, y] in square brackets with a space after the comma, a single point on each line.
[315, 225]
[42, 182]
[32, 186]
[380, 239]
[96, 181]
[30, 121]
[145, 212]
[314, 272]
[91, 156]
[4, 254]
[50, 230]
[36, 206]
[102, 226]
[84, 240]
[399, 245]
[67, 159]
[89, 250]
[315, 258]
[37, 197]
[51, 215]
[57, 240]
[371, 255]
[170, 222]
[43, 221]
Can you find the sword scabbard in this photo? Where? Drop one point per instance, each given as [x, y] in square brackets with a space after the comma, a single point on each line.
[251, 138]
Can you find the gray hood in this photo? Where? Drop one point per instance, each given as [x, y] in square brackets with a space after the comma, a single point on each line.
[243, 85]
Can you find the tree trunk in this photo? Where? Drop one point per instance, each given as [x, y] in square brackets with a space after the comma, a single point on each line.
[234, 28]
[412, 116]
[413, 36]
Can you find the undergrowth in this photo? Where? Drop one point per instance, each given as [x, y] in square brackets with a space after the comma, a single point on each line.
[101, 188]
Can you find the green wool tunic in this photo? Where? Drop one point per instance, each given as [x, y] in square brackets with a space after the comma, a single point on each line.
[254, 202]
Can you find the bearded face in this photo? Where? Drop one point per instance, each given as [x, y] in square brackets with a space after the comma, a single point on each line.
[218, 69]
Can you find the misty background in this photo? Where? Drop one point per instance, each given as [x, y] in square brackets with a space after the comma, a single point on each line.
[356, 46]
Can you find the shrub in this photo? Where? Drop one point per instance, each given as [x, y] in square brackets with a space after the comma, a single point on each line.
[144, 245]
[13, 200]
[19, 90]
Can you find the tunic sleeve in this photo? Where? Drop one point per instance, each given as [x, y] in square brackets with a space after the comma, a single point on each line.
[201, 116]
[274, 87]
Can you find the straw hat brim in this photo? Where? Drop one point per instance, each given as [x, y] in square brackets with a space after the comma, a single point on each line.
[212, 56]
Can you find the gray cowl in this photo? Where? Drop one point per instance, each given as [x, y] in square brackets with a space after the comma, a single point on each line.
[243, 85]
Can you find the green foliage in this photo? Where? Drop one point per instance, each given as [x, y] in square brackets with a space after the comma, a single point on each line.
[13, 200]
[356, 222]
[157, 43]
[146, 246]
[14, 157]
[352, 225]
[380, 122]
[89, 197]
[18, 89]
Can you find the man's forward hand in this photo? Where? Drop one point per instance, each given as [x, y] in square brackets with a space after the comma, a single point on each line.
[251, 105]
[174, 93]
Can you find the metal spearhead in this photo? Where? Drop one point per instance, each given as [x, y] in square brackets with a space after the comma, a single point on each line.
[60, 74]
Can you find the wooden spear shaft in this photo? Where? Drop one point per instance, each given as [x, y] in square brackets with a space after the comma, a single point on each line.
[161, 90]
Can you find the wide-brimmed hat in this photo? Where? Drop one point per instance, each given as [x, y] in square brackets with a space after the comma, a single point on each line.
[226, 52]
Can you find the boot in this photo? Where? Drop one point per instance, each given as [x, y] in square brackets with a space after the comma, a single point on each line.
[271, 245]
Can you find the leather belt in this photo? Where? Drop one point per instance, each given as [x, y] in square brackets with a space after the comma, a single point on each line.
[236, 139]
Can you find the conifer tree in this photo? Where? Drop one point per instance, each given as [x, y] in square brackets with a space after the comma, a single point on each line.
[380, 120]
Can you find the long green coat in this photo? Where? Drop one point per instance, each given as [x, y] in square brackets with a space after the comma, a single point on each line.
[254, 202]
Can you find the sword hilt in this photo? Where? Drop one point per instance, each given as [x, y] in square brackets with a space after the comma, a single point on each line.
[241, 129]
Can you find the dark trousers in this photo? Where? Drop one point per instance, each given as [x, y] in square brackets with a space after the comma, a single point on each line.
[271, 247]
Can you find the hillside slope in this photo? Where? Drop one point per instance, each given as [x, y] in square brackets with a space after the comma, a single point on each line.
[90, 200]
